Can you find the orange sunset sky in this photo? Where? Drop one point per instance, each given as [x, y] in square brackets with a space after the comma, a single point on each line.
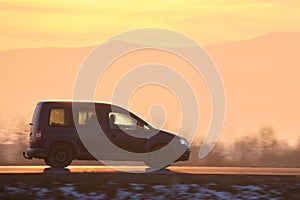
[74, 23]
[254, 43]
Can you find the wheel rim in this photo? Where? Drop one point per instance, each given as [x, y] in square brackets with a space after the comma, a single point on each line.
[61, 156]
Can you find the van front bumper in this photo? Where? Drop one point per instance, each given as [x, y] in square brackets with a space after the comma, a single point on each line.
[35, 153]
[185, 156]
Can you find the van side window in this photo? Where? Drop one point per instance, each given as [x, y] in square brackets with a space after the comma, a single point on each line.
[87, 118]
[58, 117]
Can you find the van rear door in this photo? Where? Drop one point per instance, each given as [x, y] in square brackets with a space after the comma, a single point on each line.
[35, 123]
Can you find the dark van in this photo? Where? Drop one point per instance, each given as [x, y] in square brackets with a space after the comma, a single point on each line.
[55, 136]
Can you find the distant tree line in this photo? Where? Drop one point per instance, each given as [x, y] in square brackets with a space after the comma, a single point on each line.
[262, 150]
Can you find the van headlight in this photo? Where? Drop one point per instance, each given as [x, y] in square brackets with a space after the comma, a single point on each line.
[183, 142]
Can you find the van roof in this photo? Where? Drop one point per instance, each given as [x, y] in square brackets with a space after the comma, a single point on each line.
[100, 103]
[79, 102]
[71, 101]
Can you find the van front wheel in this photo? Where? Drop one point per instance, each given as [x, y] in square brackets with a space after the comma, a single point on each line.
[159, 158]
[60, 156]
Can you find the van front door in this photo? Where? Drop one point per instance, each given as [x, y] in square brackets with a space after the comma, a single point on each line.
[127, 133]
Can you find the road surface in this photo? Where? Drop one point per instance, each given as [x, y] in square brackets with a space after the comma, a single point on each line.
[171, 169]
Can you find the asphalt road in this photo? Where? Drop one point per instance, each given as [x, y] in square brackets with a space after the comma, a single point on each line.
[171, 169]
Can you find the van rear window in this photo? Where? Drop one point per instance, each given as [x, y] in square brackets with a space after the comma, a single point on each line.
[58, 117]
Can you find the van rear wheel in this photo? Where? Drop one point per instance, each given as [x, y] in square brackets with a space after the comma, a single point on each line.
[60, 156]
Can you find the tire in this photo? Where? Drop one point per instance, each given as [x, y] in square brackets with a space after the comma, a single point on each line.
[60, 156]
[159, 158]
[46, 161]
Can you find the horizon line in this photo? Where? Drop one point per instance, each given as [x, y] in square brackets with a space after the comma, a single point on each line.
[95, 45]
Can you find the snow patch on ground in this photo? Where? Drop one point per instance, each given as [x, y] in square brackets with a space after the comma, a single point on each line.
[40, 192]
[146, 191]
[14, 190]
[69, 191]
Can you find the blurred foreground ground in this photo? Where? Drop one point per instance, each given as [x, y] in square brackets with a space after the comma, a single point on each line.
[154, 185]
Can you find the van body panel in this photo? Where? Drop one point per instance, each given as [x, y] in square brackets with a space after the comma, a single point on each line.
[57, 123]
